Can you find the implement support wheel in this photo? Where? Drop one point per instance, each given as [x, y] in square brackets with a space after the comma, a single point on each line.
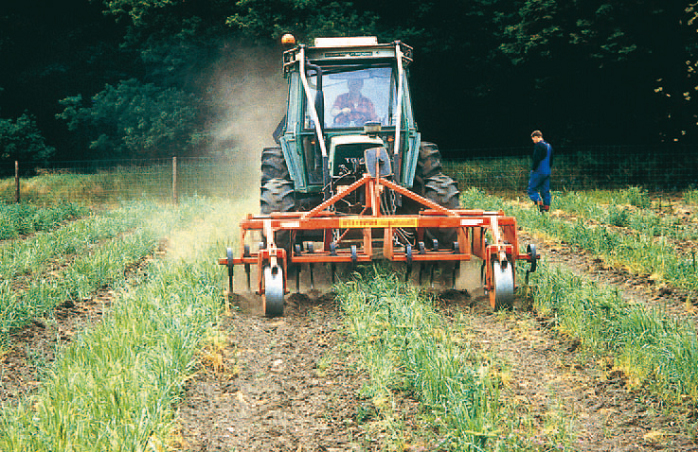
[273, 296]
[502, 294]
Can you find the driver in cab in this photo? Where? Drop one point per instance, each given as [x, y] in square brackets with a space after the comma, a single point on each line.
[353, 107]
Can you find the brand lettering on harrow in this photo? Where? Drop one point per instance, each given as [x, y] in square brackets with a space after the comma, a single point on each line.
[378, 223]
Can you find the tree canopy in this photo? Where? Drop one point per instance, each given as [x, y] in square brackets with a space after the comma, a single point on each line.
[132, 78]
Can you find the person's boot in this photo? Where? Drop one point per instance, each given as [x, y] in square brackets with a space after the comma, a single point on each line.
[540, 205]
[544, 208]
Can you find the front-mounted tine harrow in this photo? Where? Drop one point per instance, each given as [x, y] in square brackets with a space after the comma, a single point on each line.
[487, 235]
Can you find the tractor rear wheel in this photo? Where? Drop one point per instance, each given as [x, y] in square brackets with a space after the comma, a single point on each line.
[428, 165]
[444, 191]
[273, 165]
[278, 196]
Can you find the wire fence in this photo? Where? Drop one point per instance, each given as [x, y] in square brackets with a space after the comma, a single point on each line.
[655, 168]
[666, 169]
[95, 181]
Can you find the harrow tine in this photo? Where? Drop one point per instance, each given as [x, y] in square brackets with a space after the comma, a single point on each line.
[431, 275]
[312, 276]
[333, 270]
[298, 279]
[246, 253]
[230, 270]
[421, 272]
[456, 266]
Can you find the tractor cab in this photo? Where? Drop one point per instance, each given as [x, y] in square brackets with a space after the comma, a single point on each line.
[346, 95]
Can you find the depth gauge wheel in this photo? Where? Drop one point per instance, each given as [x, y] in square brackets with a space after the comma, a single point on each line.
[502, 294]
[273, 296]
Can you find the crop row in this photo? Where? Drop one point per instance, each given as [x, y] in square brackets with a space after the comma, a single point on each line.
[116, 387]
[20, 219]
[615, 211]
[638, 252]
[95, 267]
[33, 256]
[654, 350]
[407, 347]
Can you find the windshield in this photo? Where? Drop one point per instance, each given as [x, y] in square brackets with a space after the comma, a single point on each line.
[354, 97]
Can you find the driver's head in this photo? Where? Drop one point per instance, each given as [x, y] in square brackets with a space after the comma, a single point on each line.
[355, 84]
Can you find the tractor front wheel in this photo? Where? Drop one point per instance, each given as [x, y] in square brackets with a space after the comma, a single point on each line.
[428, 165]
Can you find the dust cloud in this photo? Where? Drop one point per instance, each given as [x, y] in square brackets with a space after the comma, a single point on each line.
[250, 95]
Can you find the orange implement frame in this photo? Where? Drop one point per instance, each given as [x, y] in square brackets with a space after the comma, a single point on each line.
[472, 226]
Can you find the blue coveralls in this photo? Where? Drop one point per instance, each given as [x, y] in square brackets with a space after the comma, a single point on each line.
[539, 182]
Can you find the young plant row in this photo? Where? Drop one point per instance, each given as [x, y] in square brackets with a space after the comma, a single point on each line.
[612, 208]
[20, 219]
[656, 352]
[34, 255]
[116, 387]
[639, 253]
[99, 267]
[406, 347]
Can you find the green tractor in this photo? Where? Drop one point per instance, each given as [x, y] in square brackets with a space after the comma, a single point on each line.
[351, 181]
[346, 95]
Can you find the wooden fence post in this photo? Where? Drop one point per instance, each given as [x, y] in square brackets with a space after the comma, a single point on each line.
[16, 182]
[174, 180]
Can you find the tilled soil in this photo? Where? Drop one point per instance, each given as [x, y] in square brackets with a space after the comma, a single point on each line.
[274, 391]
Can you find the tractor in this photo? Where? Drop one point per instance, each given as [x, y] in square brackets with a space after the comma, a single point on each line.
[350, 180]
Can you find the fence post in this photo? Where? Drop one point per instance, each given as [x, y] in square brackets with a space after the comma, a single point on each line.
[174, 180]
[16, 181]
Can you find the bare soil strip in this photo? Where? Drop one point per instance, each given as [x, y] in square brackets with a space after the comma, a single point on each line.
[272, 391]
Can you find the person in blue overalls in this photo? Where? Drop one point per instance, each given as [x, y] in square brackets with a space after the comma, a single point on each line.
[539, 181]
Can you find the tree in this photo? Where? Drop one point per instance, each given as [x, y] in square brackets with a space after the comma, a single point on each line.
[596, 63]
[136, 120]
[307, 19]
[22, 140]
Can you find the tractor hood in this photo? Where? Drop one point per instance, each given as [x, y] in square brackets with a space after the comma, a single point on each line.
[347, 150]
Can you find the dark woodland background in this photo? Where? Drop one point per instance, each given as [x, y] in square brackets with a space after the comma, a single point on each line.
[101, 79]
